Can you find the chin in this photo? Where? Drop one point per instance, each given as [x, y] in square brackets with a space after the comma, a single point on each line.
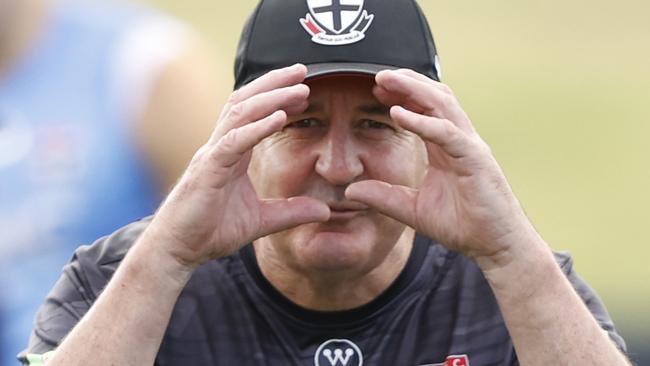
[324, 247]
[344, 246]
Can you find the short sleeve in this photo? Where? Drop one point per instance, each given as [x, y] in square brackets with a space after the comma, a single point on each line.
[81, 282]
[591, 299]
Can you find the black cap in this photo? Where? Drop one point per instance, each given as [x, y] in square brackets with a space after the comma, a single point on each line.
[336, 36]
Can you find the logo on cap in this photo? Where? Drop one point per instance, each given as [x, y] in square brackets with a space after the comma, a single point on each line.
[336, 22]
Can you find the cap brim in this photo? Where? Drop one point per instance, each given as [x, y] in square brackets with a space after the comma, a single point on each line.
[333, 68]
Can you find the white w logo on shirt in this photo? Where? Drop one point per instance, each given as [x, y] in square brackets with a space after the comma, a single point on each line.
[338, 352]
[338, 356]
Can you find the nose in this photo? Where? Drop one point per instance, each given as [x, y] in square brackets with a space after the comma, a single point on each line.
[339, 161]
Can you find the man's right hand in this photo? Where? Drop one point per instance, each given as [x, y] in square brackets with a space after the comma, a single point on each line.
[214, 210]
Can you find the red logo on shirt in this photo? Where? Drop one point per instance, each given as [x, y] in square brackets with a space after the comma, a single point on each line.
[461, 360]
[454, 360]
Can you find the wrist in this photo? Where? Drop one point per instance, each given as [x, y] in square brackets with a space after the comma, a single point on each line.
[518, 245]
[154, 254]
[169, 237]
[521, 268]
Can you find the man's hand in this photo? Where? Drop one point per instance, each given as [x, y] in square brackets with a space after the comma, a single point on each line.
[464, 201]
[466, 204]
[214, 210]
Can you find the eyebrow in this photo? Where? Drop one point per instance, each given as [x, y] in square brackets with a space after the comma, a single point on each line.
[374, 108]
[314, 107]
[370, 108]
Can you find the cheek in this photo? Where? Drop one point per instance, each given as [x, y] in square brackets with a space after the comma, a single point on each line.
[278, 171]
[404, 163]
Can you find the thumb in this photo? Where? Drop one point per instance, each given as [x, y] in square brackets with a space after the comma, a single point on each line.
[391, 200]
[281, 214]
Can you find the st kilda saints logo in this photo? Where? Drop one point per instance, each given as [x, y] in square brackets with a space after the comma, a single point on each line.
[336, 22]
[338, 352]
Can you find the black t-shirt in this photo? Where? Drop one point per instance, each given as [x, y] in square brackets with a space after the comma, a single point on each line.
[440, 310]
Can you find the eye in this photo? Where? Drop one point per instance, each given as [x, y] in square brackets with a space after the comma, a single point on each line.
[305, 123]
[306, 128]
[375, 125]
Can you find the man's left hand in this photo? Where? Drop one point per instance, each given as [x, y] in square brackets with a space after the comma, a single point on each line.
[464, 201]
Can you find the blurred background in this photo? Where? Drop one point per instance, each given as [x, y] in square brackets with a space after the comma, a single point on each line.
[560, 90]
[102, 104]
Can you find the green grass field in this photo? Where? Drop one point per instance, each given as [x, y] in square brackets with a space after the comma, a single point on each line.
[561, 91]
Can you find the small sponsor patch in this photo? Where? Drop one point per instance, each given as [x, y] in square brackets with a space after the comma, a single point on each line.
[454, 360]
[338, 352]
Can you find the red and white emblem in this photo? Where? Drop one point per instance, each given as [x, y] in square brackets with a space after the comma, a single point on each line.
[455, 360]
[336, 22]
[461, 360]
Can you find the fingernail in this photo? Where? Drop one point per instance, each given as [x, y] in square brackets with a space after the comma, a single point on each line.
[300, 88]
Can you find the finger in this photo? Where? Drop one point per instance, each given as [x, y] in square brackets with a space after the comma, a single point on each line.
[395, 201]
[423, 78]
[234, 144]
[390, 99]
[275, 79]
[290, 99]
[281, 214]
[441, 132]
[429, 98]
[419, 92]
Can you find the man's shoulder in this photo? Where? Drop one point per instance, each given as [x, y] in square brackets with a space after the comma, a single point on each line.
[95, 264]
[108, 251]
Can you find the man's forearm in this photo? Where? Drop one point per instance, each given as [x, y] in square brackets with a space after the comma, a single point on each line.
[548, 322]
[127, 323]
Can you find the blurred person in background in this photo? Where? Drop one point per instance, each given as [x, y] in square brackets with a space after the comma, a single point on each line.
[96, 102]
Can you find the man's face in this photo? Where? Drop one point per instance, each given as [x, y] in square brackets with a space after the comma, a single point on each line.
[344, 136]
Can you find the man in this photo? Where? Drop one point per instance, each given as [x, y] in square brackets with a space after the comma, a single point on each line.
[95, 100]
[383, 230]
